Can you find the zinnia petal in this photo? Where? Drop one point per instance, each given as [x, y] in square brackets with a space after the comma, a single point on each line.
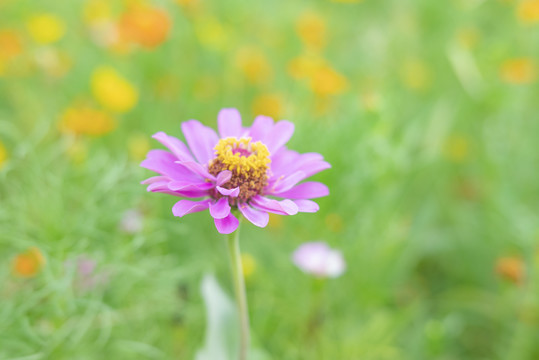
[201, 140]
[280, 134]
[227, 225]
[184, 207]
[220, 209]
[284, 207]
[223, 177]
[306, 190]
[307, 206]
[258, 218]
[262, 126]
[229, 123]
[229, 192]
[178, 148]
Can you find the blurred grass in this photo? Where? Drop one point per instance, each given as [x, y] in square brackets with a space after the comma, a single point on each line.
[433, 181]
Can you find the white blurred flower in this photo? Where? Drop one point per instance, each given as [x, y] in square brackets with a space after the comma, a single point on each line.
[318, 259]
[132, 221]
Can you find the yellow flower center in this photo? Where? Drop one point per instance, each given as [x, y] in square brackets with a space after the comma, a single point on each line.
[248, 161]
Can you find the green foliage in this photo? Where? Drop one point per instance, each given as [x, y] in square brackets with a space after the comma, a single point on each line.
[433, 151]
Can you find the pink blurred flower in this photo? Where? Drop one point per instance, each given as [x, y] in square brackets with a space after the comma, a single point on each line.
[132, 221]
[86, 277]
[237, 169]
[318, 259]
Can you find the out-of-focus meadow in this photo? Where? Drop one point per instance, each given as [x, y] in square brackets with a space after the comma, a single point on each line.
[427, 111]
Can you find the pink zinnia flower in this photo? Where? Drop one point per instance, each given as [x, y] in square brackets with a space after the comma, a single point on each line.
[318, 259]
[241, 168]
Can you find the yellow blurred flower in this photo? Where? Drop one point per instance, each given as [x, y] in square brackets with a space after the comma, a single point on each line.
[275, 221]
[77, 151]
[327, 81]
[211, 33]
[528, 11]
[205, 87]
[86, 120]
[334, 222]
[511, 268]
[3, 155]
[468, 37]
[97, 10]
[145, 25]
[519, 71]
[253, 64]
[457, 148]
[269, 105]
[29, 263]
[323, 79]
[248, 264]
[45, 28]
[305, 66]
[416, 74]
[138, 146]
[311, 28]
[112, 90]
[371, 100]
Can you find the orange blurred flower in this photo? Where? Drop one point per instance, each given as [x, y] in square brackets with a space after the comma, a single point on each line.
[86, 120]
[528, 11]
[511, 268]
[112, 90]
[269, 105]
[10, 44]
[518, 71]
[145, 25]
[253, 64]
[311, 28]
[29, 263]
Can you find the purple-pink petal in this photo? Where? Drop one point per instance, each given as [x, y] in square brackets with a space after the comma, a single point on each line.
[220, 209]
[229, 192]
[168, 168]
[307, 206]
[197, 169]
[288, 182]
[257, 217]
[283, 207]
[306, 190]
[280, 134]
[201, 140]
[262, 126]
[154, 179]
[189, 186]
[184, 207]
[178, 148]
[223, 177]
[229, 123]
[227, 225]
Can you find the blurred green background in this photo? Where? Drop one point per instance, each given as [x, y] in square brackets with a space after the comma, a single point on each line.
[427, 111]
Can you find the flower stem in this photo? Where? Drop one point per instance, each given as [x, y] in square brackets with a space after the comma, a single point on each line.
[233, 243]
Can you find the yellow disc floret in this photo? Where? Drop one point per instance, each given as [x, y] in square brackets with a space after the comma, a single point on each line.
[248, 161]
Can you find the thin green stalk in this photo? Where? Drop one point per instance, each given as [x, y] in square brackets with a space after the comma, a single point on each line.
[233, 242]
